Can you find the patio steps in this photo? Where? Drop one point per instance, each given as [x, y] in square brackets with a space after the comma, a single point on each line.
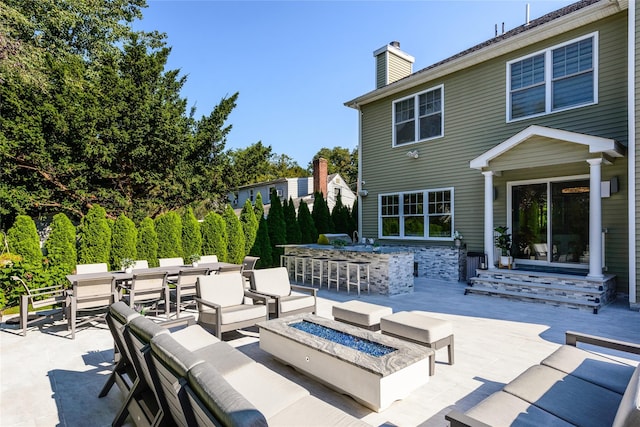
[561, 290]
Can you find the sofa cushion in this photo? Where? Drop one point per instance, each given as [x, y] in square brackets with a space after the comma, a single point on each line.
[315, 413]
[211, 395]
[296, 301]
[416, 326]
[194, 337]
[122, 312]
[265, 389]
[574, 400]
[224, 357]
[629, 411]
[272, 281]
[592, 367]
[504, 409]
[240, 313]
[360, 313]
[145, 329]
[223, 289]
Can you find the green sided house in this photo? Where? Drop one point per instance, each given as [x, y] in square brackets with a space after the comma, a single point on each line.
[533, 130]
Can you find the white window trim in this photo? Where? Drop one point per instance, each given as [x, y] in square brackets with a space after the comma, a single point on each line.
[425, 192]
[416, 118]
[548, 78]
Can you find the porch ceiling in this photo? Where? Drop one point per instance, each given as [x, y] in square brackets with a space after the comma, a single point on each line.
[546, 146]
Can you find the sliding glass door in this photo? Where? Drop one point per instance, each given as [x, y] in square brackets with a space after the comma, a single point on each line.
[550, 221]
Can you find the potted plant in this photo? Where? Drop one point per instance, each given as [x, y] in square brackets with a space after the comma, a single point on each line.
[457, 238]
[503, 242]
[127, 264]
[194, 259]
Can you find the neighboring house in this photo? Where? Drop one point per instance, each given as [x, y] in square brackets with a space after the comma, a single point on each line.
[532, 129]
[298, 189]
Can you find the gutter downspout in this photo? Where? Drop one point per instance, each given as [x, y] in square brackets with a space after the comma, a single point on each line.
[359, 184]
[631, 149]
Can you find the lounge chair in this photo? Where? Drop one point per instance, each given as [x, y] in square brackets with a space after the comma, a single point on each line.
[222, 305]
[51, 297]
[124, 373]
[92, 268]
[285, 299]
[149, 288]
[89, 300]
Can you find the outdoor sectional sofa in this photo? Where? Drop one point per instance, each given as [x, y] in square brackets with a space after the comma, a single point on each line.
[199, 380]
[572, 386]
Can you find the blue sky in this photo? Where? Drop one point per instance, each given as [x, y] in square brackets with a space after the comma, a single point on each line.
[295, 63]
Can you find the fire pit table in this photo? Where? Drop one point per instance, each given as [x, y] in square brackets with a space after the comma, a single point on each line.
[374, 369]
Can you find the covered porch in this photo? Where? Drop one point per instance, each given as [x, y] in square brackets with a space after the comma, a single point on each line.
[551, 187]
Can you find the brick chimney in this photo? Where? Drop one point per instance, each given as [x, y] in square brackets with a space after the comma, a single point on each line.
[320, 176]
[392, 64]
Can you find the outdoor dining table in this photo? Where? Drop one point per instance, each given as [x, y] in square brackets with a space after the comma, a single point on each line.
[123, 276]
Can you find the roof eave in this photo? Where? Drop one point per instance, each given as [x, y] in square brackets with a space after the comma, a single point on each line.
[560, 25]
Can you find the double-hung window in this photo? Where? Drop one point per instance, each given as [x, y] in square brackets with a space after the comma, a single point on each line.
[424, 214]
[561, 77]
[418, 117]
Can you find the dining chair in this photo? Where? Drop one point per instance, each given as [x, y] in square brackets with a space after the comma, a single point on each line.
[50, 298]
[206, 259]
[186, 287]
[140, 264]
[170, 262]
[100, 267]
[149, 288]
[89, 300]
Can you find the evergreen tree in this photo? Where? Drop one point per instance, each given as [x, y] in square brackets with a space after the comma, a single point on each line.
[147, 242]
[95, 237]
[191, 235]
[340, 217]
[262, 246]
[258, 207]
[353, 218]
[214, 236]
[169, 229]
[123, 241]
[308, 231]
[249, 225]
[294, 234]
[277, 226]
[320, 214]
[23, 240]
[61, 243]
[235, 236]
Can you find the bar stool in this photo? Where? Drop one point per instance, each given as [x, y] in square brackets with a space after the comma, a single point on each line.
[337, 263]
[319, 262]
[301, 262]
[286, 260]
[360, 267]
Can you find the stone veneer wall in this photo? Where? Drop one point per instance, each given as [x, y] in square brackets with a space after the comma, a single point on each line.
[392, 273]
[440, 262]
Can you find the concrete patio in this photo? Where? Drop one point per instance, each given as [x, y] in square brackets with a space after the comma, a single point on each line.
[47, 379]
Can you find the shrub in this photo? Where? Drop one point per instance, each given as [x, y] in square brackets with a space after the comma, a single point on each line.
[95, 237]
[308, 232]
[249, 225]
[191, 235]
[340, 217]
[61, 243]
[235, 236]
[214, 236]
[258, 207]
[169, 230]
[320, 214]
[277, 226]
[123, 241]
[323, 240]
[147, 242]
[294, 234]
[262, 246]
[34, 276]
[23, 240]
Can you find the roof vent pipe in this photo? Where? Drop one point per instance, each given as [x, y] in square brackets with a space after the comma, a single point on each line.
[527, 14]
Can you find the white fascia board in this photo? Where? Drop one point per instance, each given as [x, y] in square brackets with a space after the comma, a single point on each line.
[596, 144]
[550, 29]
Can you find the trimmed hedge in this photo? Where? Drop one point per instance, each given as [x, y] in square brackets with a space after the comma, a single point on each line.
[61, 243]
[23, 240]
[123, 241]
[147, 242]
[249, 225]
[214, 236]
[191, 235]
[169, 229]
[95, 237]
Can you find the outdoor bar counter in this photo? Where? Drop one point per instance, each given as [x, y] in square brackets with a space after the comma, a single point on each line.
[391, 269]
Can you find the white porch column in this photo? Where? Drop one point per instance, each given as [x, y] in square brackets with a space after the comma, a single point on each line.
[488, 218]
[595, 218]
